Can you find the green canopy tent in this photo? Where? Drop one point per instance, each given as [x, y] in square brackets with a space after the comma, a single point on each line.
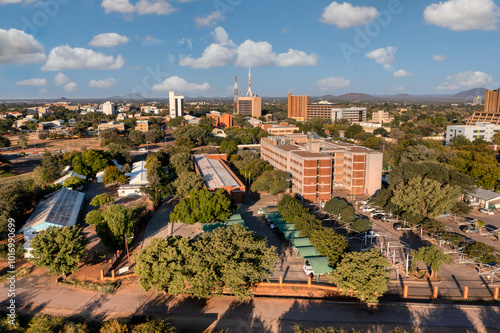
[285, 227]
[307, 251]
[291, 234]
[273, 215]
[319, 265]
[206, 227]
[277, 220]
[300, 241]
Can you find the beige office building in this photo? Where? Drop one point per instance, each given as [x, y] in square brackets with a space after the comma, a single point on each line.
[381, 117]
[250, 106]
[297, 107]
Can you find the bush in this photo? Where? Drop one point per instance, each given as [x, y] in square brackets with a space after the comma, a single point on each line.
[360, 225]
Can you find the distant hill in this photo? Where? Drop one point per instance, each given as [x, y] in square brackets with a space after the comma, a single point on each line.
[470, 94]
[403, 96]
[356, 97]
[327, 97]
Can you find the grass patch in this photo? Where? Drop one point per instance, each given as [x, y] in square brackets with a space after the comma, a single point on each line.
[104, 288]
[6, 180]
[21, 272]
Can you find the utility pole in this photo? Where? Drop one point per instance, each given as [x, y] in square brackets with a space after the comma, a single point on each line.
[126, 246]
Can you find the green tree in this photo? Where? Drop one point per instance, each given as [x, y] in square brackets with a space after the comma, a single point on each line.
[352, 130]
[113, 326]
[4, 142]
[186, 182]
[137, 137]
[181, 162]
[74, 182]
[23, 140]
[364, 273]
[154, 135]
[59, 249]
[101, 200]
[272, 182]
[373, 142]
[176, 122]
[163, 265]
[94, 217]
[360, 225]
[432, 258]
[228, 147]
[250, 260]
[482, 253]
[203, 206]
[425, 196]
[118, 224]
[461, 208]
[89, 162]
[159, 186]
[335, 205]
[240, 120]
[42, 136]
[348, 214]
[382, 131]
[5, 165]
[155, 326]
[112, 175]
[206, 123]
[329, 244]
[45, 324]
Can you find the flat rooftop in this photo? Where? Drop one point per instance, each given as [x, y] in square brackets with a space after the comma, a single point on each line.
[214, 172]
[305, 153]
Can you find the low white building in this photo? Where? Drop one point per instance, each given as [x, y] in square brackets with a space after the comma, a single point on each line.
[138, 178]
[353, 114]
[484, 198]
[481, 130]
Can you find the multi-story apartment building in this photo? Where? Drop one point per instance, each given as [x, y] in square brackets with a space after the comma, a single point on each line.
[221, 120]
[323, 111]
[301, 109]
[111, 124]
[381, 117]
[142, 125]
[109, 108]
[318, 167]
[491, 113]
[481, 130]
[176, 104]
[250, 106]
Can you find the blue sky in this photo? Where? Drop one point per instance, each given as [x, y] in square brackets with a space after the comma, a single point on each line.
[100, 48]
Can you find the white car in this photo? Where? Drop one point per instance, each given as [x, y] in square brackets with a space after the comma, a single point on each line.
[486, 211]
[375, 212]
[308, 270]
[366, 209]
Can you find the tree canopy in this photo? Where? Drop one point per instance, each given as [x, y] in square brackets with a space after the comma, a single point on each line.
[431, 257]
[186, 182]
[113, 175]
[272, 182]
[74, 182]
[59, 249]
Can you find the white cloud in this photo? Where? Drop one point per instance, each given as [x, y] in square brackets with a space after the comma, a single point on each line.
[209, 20]
[65, 57]
[61, 79]
[401, 73]
[32, 82]
[10, 2]
[249, 53]
[330, 83]
[151, 41]
[142, 7]
[439, 57]
[109, 40]
[186, 41]
[221, 37]
[346, 15]
[215, 55]
[469, 79]
[70, 87]
[383, 56]
[179, 84]
[462, 15]
[103, 84]
[17, 47]
[296, 58]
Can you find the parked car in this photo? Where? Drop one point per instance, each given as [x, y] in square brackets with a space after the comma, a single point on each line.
[273, 227]
[378, 216]
[401, 227]
[470, 220]
[375, 212]
[366, 209]
[470, 230]
[390, 219]
[308, 270]
[486, 211]
[362, 202]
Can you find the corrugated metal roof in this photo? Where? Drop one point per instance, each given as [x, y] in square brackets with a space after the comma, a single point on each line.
[138, 176]
[214, 172]
[319, 265]
[60, 208]
[485, 194]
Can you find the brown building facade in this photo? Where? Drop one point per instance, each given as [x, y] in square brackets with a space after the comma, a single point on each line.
[323, 111]
[221, 120]
[491, 113]
[249, 106]
[318, 167]
[297, 106]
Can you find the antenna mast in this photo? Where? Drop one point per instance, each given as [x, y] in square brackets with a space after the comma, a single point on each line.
[235, 93]
[249, 92]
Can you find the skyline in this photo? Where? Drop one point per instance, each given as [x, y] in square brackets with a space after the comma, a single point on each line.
[56, 48]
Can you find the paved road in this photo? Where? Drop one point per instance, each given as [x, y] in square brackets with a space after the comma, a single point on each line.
[41, 295]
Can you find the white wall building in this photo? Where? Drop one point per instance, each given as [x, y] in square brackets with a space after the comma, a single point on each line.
[481, 130]
[351, 114]
[176, 104]
[138, 178]
[109, 108]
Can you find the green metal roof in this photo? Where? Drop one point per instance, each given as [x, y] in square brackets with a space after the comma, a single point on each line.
[233, 220]
[273, 214]
[319, 265]
[308, 251]
[235, 217]
[277, 220]
[286, 227]
[291, 234]
[301, 241]
[206, 227]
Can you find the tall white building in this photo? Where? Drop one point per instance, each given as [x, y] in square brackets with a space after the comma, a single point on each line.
[176, 104]
[481, 130]
[109, 108]
[351, 114]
